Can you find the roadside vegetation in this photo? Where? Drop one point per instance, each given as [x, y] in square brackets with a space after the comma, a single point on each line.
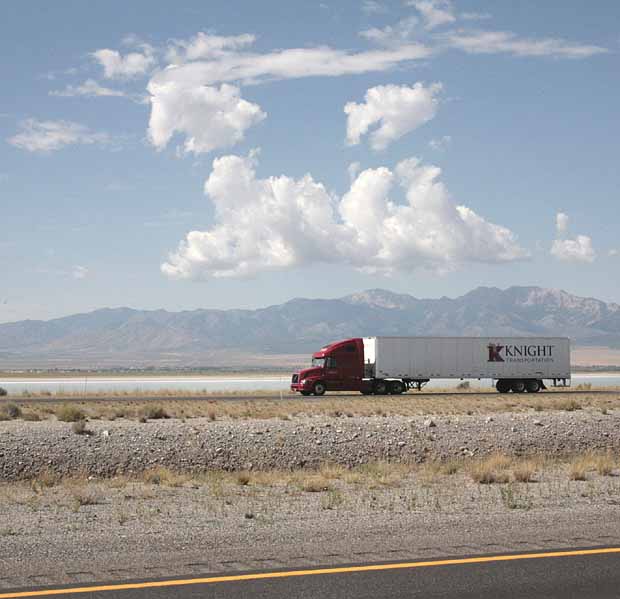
[144, 410]
[497, 481]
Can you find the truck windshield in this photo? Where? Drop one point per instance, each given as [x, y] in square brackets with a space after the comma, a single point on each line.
[320, 362]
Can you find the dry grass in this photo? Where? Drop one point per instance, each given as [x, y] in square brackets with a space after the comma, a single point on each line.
[70, 413]
[493, 469]
[335, 406]
[160, 475]
[602, 463]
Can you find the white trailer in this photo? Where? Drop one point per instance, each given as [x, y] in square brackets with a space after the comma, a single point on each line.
[516, 363]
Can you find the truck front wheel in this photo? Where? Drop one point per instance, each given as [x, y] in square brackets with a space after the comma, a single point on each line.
[319, 388]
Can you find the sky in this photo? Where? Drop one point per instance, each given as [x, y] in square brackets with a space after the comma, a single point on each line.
[239, 154]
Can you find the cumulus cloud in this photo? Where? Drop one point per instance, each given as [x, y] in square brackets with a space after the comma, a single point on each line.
[434, 12]
[132, 64]
[494, 42]
[571, 250]
[193, 95]
[561, 222]
[574, 250]
[48, 136]
[209, 117]
[394, 110]
[89, 88]
[280, 222]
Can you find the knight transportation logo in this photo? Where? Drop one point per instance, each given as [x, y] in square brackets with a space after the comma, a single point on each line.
[520, 353]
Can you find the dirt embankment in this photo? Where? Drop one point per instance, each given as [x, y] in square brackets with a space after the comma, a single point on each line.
[123, 446]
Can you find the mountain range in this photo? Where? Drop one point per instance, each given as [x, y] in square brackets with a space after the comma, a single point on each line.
[125, 336]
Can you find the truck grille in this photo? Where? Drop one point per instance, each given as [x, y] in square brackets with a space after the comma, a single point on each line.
[295, 378]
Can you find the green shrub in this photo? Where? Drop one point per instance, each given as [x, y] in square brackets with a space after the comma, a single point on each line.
[3, 392]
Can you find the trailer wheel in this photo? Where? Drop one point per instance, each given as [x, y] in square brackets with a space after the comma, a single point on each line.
[518, 386]
[319, 388]
[380, 388]
[397, 387]
[532, 386]
[502, 386]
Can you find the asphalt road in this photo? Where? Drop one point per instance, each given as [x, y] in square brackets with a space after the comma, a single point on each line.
[565, 574]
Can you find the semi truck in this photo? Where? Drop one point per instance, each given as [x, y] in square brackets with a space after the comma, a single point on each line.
[393, 365]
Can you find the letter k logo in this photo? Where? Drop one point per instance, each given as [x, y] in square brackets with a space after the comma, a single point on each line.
[494, 352]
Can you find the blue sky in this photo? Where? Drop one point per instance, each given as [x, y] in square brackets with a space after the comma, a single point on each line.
[238, 154]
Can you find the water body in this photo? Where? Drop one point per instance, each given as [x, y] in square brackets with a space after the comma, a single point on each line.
[222, 384]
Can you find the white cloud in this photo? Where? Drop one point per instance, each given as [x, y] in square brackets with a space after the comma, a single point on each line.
[574, 250]
[440, 143]
[133, 64]
[79, 272]
[280, 222]
[395, 110]
[89, 88]
[232, 65]
[48, 136]
[185, 97]
[493, 42]
[372, 7]
[353, 169]
[434, 12]
[571, 250]
[390, 35]
[206, 46]
[613, 252]
[561, 222]
[209, 117]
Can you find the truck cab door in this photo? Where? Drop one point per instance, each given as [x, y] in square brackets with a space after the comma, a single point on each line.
[333, 374]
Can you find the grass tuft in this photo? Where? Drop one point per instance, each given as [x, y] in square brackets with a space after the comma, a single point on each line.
[69, 413]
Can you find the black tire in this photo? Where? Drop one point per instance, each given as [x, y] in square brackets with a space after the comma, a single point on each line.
[532, 386]
[397, 387]
[518, 386]
[503, 386]
[319, 388]
[305, 393]
[381, 388]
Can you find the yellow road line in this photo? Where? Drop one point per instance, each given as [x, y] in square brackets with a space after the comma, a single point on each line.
[291, 573]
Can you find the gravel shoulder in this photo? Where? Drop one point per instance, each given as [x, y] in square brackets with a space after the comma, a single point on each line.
[123, 446]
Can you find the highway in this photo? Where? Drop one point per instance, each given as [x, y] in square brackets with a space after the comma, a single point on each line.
[562, 574]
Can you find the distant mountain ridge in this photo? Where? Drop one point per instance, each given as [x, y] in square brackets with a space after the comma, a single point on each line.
[302, 325]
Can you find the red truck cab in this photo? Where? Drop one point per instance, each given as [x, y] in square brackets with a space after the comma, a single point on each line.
[336, 367]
